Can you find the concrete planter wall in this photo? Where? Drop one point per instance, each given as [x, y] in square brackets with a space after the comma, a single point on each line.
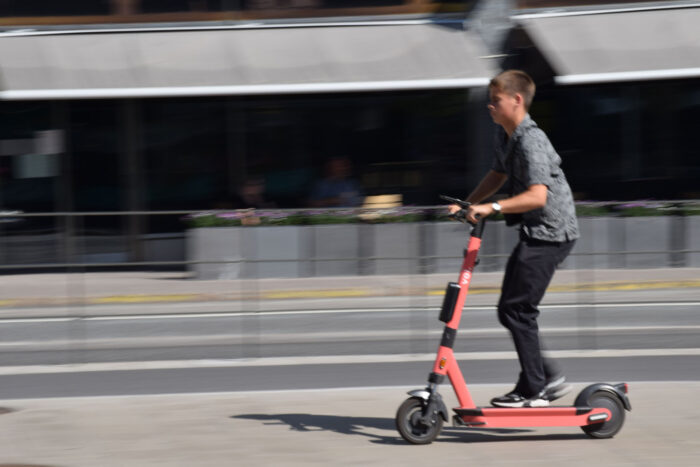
[304, 251]
[418, 248]
[330, 245]
[236, 252]
[691, 235]
[400, 243]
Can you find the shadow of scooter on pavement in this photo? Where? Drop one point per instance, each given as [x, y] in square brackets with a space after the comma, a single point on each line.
[339, 424]
[368, 427]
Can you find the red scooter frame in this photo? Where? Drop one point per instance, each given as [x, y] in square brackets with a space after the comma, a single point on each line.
[599, 409]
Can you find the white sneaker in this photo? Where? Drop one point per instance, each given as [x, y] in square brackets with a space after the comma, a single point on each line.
[556, 388]
[514, 400]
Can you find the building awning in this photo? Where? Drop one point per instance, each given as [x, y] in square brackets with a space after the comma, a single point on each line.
[240, 61]
[628, 45]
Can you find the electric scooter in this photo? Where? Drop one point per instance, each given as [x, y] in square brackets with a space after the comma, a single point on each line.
[599, 409]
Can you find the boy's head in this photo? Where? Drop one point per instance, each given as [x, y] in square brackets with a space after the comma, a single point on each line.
[510, 95]
[514, 82]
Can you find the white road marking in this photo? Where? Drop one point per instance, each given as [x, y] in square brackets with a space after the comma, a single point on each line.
[81, 400]
[233, 314]
[328, 360]
[143, 342]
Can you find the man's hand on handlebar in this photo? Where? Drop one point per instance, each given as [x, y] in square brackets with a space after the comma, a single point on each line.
[473, 213]
[465, 211]
[478, 211]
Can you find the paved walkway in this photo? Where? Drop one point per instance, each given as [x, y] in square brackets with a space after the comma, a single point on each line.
[349, 427]
[24, 290]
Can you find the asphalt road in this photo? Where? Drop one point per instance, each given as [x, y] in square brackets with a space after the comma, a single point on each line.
[212, 379]
[214, 352]
[364, 331]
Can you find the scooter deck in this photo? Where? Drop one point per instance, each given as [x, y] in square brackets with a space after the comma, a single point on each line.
[503, 417]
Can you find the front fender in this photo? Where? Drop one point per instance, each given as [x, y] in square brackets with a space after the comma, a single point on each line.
[431, 398]
[420, 393]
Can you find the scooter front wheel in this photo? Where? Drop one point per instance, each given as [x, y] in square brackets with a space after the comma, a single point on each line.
[414, 425]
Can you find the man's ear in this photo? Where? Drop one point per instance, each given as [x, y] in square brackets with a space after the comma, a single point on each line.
[519, 98]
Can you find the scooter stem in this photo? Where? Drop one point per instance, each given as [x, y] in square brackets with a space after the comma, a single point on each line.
[445, 363]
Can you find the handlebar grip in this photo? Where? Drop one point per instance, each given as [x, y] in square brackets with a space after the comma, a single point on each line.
[459, 202]
[460, 216]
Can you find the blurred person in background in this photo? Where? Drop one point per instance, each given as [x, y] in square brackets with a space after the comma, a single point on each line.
[251, 194]
[543, 204]
[337, 188]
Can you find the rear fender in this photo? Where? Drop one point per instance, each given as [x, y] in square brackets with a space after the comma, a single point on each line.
[615, 389]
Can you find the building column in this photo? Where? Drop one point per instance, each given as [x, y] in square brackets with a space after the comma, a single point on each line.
[630, 166]
[64, 198]
[235, 146]
[491, 20]
[134, 178]
[480, 131]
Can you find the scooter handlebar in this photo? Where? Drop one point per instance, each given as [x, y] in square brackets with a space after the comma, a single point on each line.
[461, 215]
[462, 204]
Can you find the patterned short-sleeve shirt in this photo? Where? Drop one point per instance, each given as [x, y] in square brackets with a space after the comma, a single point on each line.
[528, 158]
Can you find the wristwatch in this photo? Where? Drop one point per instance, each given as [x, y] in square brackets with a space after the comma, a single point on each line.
[496, 207]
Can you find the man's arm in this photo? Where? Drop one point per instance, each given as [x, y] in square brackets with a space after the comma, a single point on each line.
[534, 197]
[489, 185]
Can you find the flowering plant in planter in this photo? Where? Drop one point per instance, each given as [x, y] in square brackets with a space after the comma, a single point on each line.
[641, 208]
[394, 215]
[269, 217]
[331, 216]
[251, 217]
[243, 217]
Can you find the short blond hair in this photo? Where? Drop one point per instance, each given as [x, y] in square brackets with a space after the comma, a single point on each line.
[515, 82]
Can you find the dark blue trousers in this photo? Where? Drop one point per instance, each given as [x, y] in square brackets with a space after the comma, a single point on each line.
[529, 270]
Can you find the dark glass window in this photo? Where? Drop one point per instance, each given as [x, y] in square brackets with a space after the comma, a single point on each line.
[593, 129]
[172, 6]
[98, 171]
[413, 144]
[19, 190]
[676, 111]
[569, 3]
[184, 152]
[625, 140]
[54, 8]
[96, 155]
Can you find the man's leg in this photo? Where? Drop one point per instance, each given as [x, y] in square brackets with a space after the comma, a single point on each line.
[528, 273]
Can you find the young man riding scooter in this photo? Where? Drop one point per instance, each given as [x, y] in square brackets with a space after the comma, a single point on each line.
[543, 204]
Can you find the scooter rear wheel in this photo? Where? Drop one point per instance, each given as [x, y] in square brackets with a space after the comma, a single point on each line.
[608, 428]
[409, 422]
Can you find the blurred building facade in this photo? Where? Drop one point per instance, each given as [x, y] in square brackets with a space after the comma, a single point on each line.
[135, 105]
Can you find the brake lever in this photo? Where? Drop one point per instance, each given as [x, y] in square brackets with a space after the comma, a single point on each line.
[460, 215]
[461, 203]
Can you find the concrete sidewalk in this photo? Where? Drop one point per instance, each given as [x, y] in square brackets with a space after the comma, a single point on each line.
[349, 427]
[149, 287]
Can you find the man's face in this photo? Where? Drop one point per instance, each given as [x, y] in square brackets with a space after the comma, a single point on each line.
[502, 106]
